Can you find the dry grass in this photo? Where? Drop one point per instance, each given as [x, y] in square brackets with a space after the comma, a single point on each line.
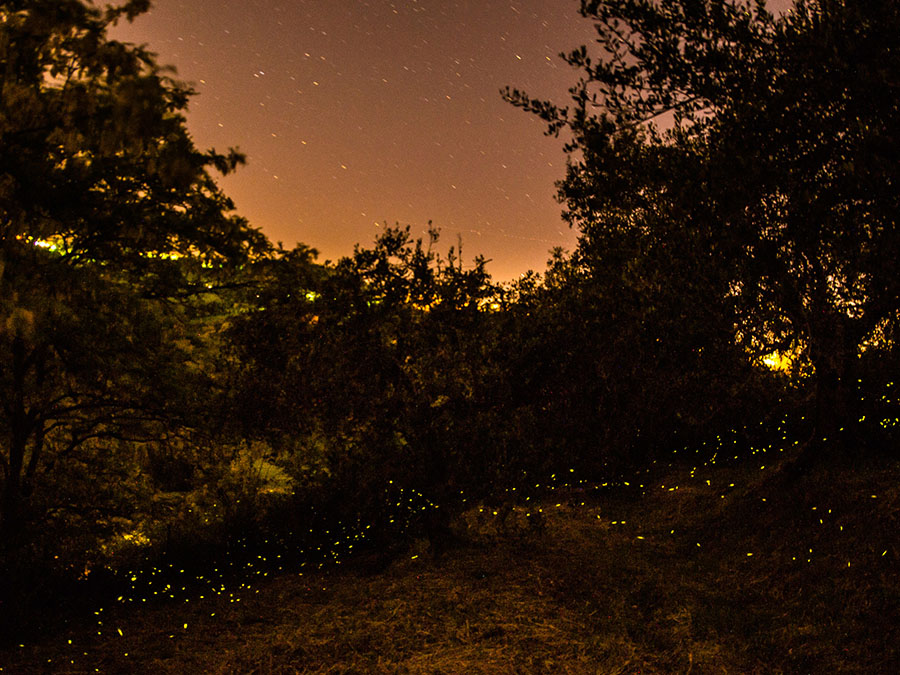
[662, 581]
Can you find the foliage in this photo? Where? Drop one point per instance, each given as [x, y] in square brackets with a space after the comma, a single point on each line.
[733, 166]
[96, 158]
[172, 386]
[374, 363]
[613, 371]
[101, 190]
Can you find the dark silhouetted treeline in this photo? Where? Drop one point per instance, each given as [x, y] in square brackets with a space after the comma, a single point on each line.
[172, 384]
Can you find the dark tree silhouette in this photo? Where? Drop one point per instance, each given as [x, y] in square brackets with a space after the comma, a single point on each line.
[370, 371]
[100, 187]
[743, 160]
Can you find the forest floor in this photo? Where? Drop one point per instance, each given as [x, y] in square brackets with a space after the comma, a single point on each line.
[710, 570]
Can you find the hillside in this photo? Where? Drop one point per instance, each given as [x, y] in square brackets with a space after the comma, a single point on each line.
[707, 569]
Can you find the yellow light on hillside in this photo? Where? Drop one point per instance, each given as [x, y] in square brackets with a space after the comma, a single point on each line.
[779, 361]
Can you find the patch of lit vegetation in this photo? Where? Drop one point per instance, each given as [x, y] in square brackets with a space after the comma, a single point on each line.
[778, 361]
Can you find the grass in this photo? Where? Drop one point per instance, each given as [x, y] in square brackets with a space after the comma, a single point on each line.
[712, 569]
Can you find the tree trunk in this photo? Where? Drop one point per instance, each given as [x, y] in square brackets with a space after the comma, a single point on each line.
[9, 505]
[10, 502]
[834, 355]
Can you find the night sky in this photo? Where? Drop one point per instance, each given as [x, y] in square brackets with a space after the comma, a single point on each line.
[354, 113]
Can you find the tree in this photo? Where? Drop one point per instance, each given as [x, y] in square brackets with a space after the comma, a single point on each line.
[107, 213]
[744, 157]
[371, 373]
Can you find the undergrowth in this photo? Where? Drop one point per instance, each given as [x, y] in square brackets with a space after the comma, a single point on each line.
[722, 567]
